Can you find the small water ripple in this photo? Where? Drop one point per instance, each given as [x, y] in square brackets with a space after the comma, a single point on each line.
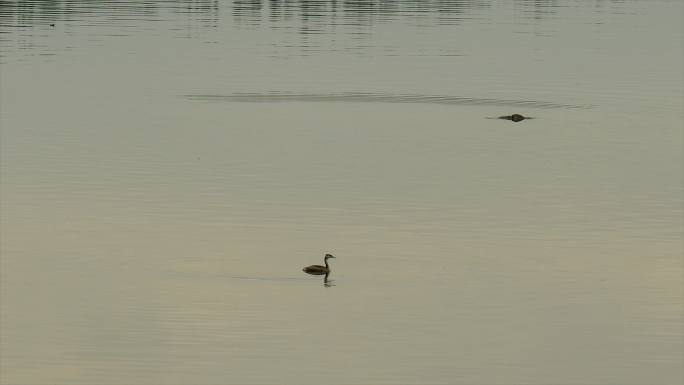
[363, 97]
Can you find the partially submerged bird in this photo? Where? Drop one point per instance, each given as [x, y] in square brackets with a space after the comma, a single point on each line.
[318, 269]
[515, 117]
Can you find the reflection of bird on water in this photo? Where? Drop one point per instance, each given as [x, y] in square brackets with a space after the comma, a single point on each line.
[328, 282]
[318, 269]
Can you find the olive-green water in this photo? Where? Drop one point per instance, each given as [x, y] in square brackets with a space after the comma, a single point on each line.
[167, 168]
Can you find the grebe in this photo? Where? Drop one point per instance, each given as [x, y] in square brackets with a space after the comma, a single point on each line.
[318, 269]
[515, 117]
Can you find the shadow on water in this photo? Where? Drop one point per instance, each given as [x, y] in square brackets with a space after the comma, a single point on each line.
[356, 97]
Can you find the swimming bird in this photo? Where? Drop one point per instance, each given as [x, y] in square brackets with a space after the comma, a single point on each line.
[318, 269]
[515, 117]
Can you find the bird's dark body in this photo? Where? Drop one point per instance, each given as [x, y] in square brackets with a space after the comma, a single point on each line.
[319, 269]
[514, 117]
[316, 270]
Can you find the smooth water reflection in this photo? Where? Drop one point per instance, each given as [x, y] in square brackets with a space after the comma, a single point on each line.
[167, 168]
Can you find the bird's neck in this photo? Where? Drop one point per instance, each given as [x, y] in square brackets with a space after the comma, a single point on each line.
[326, 262]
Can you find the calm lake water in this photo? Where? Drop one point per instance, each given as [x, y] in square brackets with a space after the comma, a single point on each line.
[168, 167]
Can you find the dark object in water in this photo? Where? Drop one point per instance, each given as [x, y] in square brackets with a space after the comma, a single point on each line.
[52, 25]
[514, 117]
[318, 269]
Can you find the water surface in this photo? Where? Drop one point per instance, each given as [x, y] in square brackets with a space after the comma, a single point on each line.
[168, 167]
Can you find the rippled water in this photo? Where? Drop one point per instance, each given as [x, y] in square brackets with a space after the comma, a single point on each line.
[168, 167]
